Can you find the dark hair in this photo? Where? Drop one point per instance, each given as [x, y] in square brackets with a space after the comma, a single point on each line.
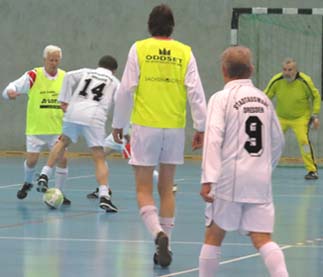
[161, 21]
[108, 62]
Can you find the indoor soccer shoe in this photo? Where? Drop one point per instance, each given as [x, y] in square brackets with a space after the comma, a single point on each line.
[312, 175]
[42, 183]
[155, 257]
[163, 255]
[66, 201]
[106, 204]
[23, 192]
[95, 194]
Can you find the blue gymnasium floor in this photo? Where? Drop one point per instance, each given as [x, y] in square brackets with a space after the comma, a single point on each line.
[81, 240]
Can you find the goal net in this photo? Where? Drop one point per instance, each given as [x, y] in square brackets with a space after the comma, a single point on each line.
[274, 37]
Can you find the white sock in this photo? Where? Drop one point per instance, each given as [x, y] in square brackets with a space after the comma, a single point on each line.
[60, 177]
[209, 260]
[167, 223]
[48, 171]
[274, 259]
[155, 176]
[29, 173]
[149, 215]
[104, 191]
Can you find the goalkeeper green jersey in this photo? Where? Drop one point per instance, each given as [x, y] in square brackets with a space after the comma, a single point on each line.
[294, 99]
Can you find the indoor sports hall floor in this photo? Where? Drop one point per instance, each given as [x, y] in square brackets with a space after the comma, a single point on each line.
[82, 240]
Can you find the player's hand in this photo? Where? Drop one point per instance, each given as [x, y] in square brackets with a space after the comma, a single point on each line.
[206, 192]
[316, 123]
[117, 135]
[197, 140]
[12, 94]
[127, 138]
[64, 106]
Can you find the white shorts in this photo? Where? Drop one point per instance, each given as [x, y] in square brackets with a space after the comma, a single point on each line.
[151, 146]
[244, 217]
[110, 143]
[94, 136]
[35, 143]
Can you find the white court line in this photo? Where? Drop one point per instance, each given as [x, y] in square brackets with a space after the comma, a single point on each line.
[149, 242]
[110, 240]
[222, 263]
[73, 178]
[50, 180]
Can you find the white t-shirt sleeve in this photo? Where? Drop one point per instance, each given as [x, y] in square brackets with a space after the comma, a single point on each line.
[196, 96]
[124, 97]
[213, 139]
[21, 85]
[71, 80]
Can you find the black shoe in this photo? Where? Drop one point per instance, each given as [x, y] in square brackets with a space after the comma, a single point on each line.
[23, 192]
[155, 257]
[106, 204]
[163, 255]
[42, 183]
[66, 201]
[312, 175]
[95, 194]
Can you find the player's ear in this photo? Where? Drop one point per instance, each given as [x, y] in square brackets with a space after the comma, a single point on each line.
[252, 68]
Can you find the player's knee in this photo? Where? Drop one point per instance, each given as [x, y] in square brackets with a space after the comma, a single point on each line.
[260, 239]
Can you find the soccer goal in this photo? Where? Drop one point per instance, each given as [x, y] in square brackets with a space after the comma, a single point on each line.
[275, 34]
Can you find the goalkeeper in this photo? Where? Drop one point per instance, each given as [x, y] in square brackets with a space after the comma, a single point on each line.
[298, 104]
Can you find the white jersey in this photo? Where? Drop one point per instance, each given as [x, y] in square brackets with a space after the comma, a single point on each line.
[243, 143]
[90, 95]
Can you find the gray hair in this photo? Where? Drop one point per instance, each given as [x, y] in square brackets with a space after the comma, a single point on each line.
[289, 61]
[238, 61]
[51, 49]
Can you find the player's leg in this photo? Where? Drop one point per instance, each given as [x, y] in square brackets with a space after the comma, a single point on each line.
[56, 153]
[167, 198]
[146, 146]
[101, 173]
[29, 172]
[301, 129]
[70, 134]
[210, 254]
[271, 253]
[61, 170]
[171, 154]
[33, 147]
[94, 137]
[258, 220]
[149, 213]
[156, 177]
[220, 216]
[95, 193]
[110, 146]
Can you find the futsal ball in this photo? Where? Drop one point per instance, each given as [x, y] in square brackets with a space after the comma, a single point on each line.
[53, 198]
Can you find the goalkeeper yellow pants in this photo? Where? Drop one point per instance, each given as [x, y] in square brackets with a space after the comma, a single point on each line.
[300, 127]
